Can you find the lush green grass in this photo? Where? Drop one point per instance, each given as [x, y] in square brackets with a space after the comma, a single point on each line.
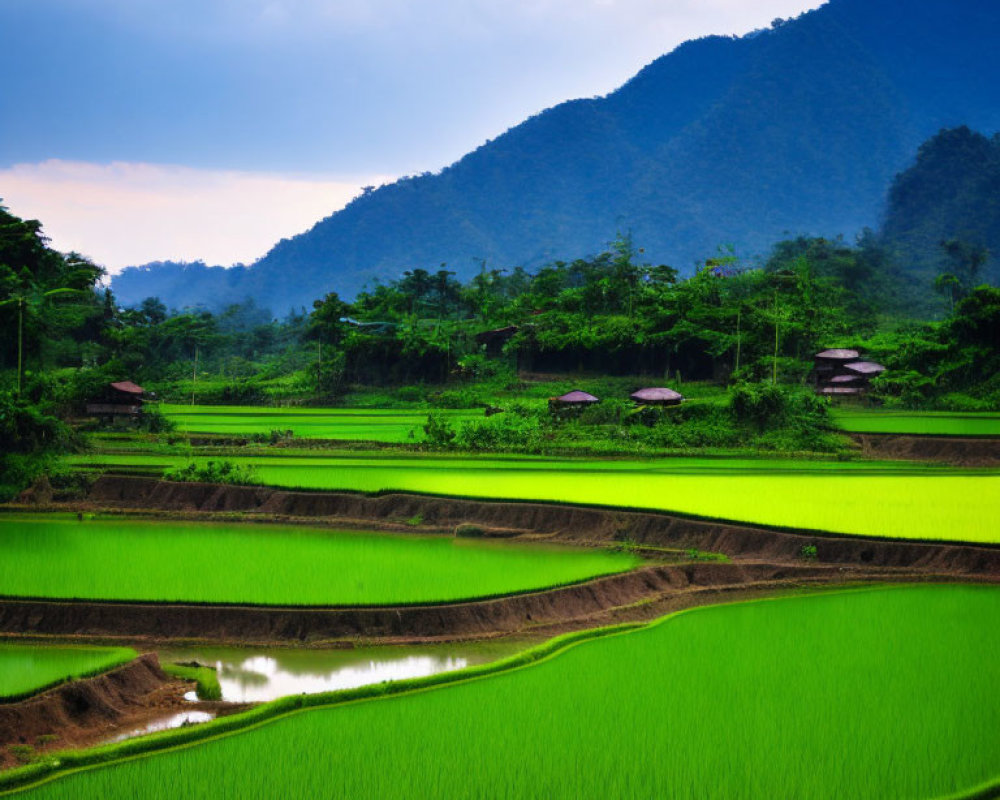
[904, 501]
[925, 423]
[372, 425]
[121, 559]
[28, 668]
[886, 693]
[206, 678]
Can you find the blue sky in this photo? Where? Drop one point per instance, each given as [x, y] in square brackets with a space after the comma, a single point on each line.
[151, 129]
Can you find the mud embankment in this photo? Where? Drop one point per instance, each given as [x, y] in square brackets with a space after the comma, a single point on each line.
[83, 711]
[961, 452]
[503, 615]
[560, 523]
[762, 559]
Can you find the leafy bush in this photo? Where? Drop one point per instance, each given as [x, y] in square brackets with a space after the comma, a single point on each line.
[438, 432]
[215, 472]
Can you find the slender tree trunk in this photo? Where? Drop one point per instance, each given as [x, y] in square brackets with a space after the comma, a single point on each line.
[20, 344]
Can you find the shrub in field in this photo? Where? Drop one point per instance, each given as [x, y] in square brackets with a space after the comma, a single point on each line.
[215, 472]
[438, 432]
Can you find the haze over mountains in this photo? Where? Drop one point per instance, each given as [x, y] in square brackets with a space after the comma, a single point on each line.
[795, 130]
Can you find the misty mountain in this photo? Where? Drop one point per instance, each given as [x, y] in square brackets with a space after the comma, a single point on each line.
[951, 192]
[798, 129]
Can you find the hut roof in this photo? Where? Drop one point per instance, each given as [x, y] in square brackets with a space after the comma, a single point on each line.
[844, 379]
[839, 355]
[498, 334]
[658, 394]
[577, 397]
[840, 390]
[865, 367]
[127, 387]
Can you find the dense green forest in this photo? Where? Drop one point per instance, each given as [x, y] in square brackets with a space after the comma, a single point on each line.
[430, 339]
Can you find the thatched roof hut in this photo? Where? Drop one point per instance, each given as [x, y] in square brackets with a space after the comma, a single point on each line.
[657, 396]
[120, 398]
[838, 355]
[576, 398]
[128, 388]
[868, 369]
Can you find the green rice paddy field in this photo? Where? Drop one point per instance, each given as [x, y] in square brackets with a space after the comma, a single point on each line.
[368, 425]
[925, 423]
[897, 500]
[121, 559]
[25, 669]
[867, 694]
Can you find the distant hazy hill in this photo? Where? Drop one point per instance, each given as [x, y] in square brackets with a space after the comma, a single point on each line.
[798, 129]
[951, 192]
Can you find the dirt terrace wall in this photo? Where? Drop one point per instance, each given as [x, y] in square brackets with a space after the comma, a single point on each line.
[81, 704]
[487, 617]
[557, 522]
[969, 452]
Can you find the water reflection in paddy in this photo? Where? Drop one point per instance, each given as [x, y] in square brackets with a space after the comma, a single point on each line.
[257, 675]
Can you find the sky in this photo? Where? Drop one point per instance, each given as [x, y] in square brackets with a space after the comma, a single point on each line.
[142, 130]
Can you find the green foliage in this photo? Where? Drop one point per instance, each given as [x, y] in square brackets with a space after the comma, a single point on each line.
[812, 672]
[809, 552]
[205, 678]
[438, 432]
[30, 441]
[226, 472]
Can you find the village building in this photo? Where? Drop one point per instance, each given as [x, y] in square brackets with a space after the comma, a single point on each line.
[657, 396]
[572, 401]
[843, 374]
[118, 400]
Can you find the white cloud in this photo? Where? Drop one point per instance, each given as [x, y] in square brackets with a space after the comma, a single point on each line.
[131, 213]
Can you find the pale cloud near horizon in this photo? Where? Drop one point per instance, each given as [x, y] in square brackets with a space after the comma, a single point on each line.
[298, 102]
[123, 214]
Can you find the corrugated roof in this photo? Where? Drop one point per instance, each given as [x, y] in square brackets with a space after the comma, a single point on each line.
[577, 396]
[657, 394]
[839, 355]
[128, 387]
[865, 367]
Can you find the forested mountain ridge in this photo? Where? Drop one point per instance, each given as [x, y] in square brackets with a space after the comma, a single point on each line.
[950, 194]
[797, 129]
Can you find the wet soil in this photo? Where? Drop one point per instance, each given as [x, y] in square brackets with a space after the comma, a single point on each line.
[94, 710]
[961, 452]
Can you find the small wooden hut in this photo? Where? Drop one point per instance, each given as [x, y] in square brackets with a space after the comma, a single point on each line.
[494, 340]
[119, 399]
[842, 373]
[864, 369]
[657, 396]
[576, 400]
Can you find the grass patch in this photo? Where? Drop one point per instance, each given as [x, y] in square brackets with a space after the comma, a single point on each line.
[925, 423]
[27, 669]
[121, 559]
[205, 678]
[367, 425]
[884, 693]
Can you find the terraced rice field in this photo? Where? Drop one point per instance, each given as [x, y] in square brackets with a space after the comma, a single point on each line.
[885, 693]
[29, 668]
[120, 559]
[926, 423]
[898, 500]
[368, 425]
